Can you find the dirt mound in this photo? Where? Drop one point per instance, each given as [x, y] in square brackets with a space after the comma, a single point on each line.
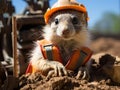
[102, 78]
[108, 45]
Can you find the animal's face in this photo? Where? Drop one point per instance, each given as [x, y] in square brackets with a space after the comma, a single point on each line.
[68, 24]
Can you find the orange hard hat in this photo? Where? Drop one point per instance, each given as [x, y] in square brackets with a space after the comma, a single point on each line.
[64, 5]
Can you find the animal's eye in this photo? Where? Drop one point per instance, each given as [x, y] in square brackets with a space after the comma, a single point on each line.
[75, 20]
[56, 21]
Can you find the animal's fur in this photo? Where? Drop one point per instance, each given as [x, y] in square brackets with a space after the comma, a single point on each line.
[67, 33]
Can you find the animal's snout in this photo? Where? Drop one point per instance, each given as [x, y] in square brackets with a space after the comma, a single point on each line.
[65, 32]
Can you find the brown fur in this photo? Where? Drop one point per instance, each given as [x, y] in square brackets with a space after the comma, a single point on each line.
[67, 33]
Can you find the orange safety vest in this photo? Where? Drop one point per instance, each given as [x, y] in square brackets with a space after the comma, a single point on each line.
[52, 52]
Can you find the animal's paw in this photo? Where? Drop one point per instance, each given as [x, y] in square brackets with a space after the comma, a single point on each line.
[83, 73]
[57, 69]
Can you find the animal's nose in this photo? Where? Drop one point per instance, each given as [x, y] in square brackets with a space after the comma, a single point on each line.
[65, 32]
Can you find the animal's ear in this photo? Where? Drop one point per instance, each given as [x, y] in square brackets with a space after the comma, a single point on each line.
[87, 18]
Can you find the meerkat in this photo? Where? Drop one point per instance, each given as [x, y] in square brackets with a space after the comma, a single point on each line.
[66, 29]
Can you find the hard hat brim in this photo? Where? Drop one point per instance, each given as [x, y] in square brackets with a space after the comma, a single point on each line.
[53, 10]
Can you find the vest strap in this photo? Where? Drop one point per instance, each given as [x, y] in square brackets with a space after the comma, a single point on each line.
[81, 59]
[49, 52]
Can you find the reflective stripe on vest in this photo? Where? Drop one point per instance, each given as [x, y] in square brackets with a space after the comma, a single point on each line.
[49, 51]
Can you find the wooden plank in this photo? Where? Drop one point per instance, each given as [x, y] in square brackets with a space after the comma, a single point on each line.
[36, 19]
[14, 43]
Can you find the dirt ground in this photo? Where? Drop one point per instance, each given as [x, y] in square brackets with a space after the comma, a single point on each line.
[104, 75]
